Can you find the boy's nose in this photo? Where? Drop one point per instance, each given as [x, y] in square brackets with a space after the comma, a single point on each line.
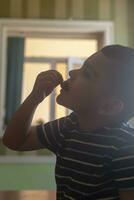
[70, 73]
[73, 73]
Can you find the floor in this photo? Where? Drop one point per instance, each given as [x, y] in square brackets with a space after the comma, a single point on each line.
[28, 195]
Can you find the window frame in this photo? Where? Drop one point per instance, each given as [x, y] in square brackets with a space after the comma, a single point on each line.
[40, 28]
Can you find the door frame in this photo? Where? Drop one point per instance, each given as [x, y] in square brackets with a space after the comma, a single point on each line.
[20, 27]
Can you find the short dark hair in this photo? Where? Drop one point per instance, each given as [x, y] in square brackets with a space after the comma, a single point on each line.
[120, 53]
[124, 56]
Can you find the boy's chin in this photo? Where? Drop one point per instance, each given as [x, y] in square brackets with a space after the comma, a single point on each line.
[61, 102]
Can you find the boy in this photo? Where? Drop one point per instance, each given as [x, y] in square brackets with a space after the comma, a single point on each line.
[94, 145]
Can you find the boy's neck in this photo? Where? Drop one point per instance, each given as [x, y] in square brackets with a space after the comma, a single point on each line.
[91, 123]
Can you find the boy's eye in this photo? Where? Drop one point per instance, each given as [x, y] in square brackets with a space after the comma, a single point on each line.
[86, 74]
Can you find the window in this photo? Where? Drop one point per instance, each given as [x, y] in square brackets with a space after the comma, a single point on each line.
[103, 31]
[42, 54]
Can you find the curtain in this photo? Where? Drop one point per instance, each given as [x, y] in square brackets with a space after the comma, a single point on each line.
[15, 59]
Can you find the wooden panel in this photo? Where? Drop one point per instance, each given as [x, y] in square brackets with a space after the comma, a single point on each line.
[69, 9]
[4, 8]
[15, 8]
[91, 9]
[121, 22]
[47, 9]
[24, 8]
[131, 25]
[105, 10]
[78, 9]
[60, 9]
[33, 8]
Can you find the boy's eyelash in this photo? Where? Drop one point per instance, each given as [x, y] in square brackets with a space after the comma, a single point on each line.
[86, 74]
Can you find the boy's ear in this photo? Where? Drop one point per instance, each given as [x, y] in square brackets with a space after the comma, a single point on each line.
[111, 107]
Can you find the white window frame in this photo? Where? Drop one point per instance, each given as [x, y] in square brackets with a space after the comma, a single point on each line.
[20, 27]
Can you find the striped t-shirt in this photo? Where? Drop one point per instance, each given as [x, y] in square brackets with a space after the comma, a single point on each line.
[90, 165]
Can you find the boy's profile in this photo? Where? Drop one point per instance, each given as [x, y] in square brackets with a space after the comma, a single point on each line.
[94, 145]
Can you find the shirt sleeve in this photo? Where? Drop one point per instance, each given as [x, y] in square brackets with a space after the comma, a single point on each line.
[123, 167]
[51, 134]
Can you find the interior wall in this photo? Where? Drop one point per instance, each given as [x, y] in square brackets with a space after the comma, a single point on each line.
[119, 11]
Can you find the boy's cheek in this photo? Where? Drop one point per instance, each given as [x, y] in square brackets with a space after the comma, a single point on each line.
[74, 92]
[79, 92]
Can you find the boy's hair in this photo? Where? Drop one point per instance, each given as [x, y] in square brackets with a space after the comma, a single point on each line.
[123, 57]
[119, 53]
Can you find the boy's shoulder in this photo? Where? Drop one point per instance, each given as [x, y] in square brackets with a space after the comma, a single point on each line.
[123, 130]
[71, 120]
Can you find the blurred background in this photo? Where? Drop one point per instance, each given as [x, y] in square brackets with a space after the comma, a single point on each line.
[35, 36]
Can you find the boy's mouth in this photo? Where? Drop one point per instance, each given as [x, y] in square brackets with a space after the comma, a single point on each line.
[64, 85]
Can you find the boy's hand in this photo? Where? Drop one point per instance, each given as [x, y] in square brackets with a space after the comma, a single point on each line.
[45, 83]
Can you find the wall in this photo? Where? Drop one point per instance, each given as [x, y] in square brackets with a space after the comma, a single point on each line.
[119, 11]
[22, 176]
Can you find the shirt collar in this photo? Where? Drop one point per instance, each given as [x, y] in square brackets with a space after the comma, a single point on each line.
[118, 125]
[109, 126]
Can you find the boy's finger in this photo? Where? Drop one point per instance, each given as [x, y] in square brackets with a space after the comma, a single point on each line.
[52, 79]
[57, 75]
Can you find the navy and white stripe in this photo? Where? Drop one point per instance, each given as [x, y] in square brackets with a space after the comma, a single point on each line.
[90, 165]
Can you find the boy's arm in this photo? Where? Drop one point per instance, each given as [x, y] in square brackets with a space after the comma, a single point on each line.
[19, 134]
[19, 129]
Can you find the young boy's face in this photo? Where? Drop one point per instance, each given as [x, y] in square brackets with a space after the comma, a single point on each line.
[86, 88]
